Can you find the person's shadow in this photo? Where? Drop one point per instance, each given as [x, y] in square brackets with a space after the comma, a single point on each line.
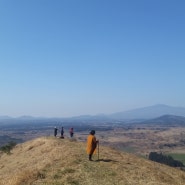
[105, 160]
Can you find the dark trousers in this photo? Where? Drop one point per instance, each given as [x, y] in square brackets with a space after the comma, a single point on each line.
[90, 157]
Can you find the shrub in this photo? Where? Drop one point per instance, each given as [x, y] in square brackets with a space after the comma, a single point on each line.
[7, 148]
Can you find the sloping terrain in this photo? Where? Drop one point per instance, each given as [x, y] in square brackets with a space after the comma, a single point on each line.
[54, 161]
[167, 120]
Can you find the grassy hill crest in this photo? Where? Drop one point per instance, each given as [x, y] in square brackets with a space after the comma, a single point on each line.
[54, 161]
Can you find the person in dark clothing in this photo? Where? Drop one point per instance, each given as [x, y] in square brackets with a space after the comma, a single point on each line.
[55, 131]
[71, 132]
[62, 132]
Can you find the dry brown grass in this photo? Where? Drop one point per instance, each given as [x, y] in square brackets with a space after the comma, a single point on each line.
[54, 161]
[145, 139]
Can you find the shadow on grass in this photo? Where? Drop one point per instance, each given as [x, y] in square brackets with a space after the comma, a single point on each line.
[105, 160]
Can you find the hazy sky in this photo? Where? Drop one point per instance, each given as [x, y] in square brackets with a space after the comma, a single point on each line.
[72, 57]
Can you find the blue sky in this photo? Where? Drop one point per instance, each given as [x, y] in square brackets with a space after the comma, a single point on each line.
[73, 57]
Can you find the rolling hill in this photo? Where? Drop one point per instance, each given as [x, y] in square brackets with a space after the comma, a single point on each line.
[54, 161]
[149, 112]
[167, 120]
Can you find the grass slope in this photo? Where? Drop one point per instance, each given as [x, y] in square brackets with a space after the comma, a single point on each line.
[54, 161]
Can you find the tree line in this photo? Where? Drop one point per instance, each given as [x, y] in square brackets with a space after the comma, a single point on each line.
[165, 159]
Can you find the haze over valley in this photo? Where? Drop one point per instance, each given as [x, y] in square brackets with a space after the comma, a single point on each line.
[140, 135]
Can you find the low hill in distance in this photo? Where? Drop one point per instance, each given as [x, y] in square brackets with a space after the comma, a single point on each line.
[167, 120]
[149, 112]
[54, 161]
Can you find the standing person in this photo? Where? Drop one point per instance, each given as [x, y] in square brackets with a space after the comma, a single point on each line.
[91, 144]
[71, 132]
[62, 132]
[55, 131]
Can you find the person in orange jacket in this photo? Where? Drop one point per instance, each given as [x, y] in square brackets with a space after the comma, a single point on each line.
[91, 144]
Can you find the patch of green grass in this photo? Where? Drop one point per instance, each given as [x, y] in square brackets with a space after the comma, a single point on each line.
[179, 157]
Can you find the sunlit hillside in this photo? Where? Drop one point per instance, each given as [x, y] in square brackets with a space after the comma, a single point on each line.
[54, 161]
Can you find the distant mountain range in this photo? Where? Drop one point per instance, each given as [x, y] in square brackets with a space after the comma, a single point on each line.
[167, 120]
[144, 113]
[149, 112]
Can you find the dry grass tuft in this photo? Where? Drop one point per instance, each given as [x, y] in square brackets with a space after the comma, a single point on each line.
[54, 161]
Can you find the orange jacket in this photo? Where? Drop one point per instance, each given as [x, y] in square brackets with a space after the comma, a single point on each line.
[91, 144]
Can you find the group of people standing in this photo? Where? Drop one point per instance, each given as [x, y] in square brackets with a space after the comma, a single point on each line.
[92, 142]
[71, 132]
